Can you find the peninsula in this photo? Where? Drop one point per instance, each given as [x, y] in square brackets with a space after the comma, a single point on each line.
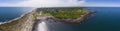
[71, 15]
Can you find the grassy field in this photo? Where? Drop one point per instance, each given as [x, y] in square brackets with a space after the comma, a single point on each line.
[68, 14]
[63, 12]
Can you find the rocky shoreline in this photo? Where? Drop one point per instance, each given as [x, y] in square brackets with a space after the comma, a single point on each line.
[69, 20]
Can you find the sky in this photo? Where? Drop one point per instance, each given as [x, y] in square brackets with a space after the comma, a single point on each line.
[59, 3]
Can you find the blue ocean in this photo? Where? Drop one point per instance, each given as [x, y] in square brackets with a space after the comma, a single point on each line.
[105, 19]
[9, 13]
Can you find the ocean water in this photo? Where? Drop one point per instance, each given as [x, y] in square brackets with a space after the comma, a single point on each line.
[9, 13]
[106, 19]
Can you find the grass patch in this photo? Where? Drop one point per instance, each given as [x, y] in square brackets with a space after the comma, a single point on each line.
[68, 14]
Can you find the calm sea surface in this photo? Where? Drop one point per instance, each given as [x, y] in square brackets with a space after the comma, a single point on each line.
[106, 19]
[8, 13]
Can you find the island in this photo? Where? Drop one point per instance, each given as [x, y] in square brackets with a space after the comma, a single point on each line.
[70, 15]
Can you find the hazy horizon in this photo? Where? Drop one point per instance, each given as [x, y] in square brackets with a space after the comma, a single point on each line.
[59, 3]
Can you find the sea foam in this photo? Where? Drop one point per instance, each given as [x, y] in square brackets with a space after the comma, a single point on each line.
[42, 27]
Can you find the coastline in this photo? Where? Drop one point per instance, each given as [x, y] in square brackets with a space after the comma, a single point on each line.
[71, 21]
[28, 20]
[17, 17]
[23, 23]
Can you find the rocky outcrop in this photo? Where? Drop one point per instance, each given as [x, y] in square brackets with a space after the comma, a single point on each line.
[70, 20]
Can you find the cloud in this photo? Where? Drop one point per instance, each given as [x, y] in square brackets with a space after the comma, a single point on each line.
[47, 3]
[58, 3]
[102, 5]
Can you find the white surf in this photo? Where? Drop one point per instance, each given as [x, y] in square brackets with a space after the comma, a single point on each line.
[42, 27]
